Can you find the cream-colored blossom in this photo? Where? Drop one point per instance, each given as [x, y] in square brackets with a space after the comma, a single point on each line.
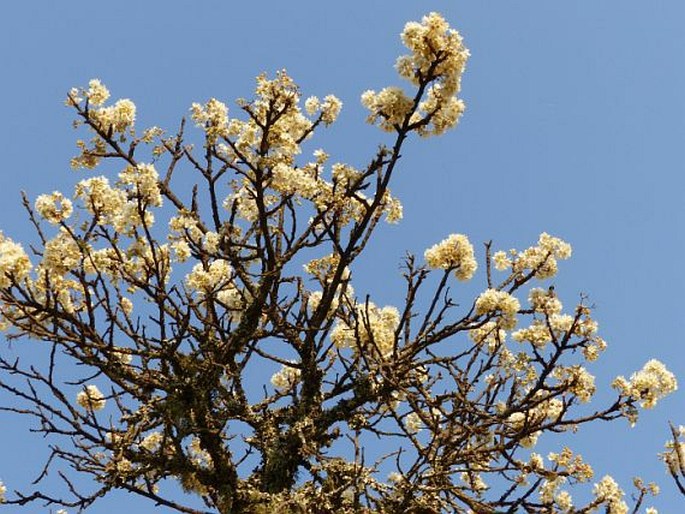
[564, 501]
[324, 268]
[289, 180]
[542, 259]
[73, 97]
[286, 378]
[652, 383]
[61, 254]
[393, 209]
[181, 250]
[519, 421]
[245, 203]
[576, 380]
[14, 263]
[436, 62]
[375, 330]
[184, 229]
[537, 334]
[413, 422]
[494, 302]
[330, 109]
[97, 93]
[152, 441]
[117, 118]
[101, 200]
[121, 356]
[126, 306]
[212, 117]
[549, 487]
[106, 261]
[610, 494]
[217, 275]
[312, 105]
[490, 334]
[91, 398]
[144, 180]
[501, 260]
[211, 242]
[544, 301]
[54, 207]
[389, 107]
[536, 462]
[454, 252]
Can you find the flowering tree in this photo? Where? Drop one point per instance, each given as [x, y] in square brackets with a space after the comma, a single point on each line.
[177, 302]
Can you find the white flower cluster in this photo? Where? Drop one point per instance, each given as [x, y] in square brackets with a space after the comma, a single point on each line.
[576, 380]
[652, 383]
[537, 334]
[542, 331]
[413, 423]
[492, 301]
[455, 252]
[91, 398]
[61, 254]
[14, 263]
[375, 329]
[541, 259]
[490, 333]
[101, 200]
[97, 93]
[518, 421]
[216, 280]
[117, 117]
[212, 117]
[544, 301]
[437, 60]
[144, 180]
[183, 231]
[106, 122]
[286, 378]
[289, 180]
[608, 492]
[110, 205]
[329, 109]
[54, 207]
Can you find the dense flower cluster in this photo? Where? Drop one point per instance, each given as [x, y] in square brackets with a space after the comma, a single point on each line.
[541, 260]
[436, 62]
[545, 302]
[455, 252]
[91, 398]
[212, 117]
[652, 383]
[144, 180]
[329, 109]
[14, 263]
[577, 381]
[286, 378]
[373, 330]
[54, 208]
[499, 303]
[608, 492]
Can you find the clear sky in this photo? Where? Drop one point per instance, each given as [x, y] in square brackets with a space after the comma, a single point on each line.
[575, 125]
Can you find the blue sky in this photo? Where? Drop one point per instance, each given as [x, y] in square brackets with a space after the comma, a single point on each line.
[575, 125]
